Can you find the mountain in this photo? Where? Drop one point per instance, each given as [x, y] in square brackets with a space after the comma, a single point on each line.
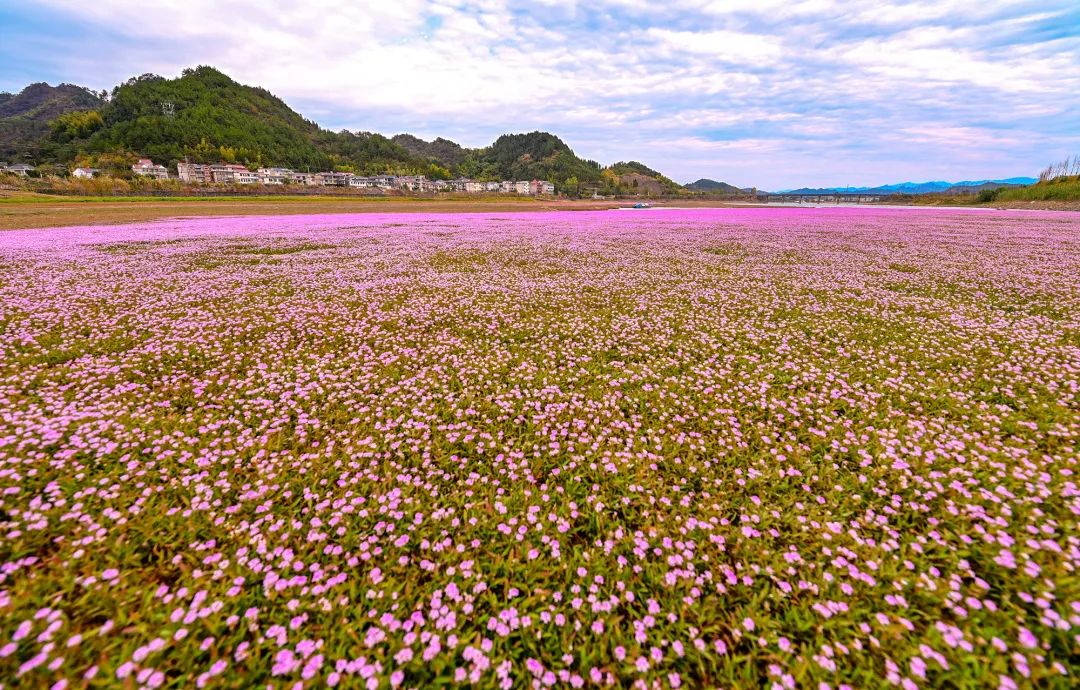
[205, 116]
[713, 187]
[1023, 181]
[934, 187]
[534, 155]
[638, 178]
[25, 116]
[441, 151]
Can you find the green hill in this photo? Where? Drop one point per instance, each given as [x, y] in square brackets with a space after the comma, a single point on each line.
[1062, 188]
[639, 178]
[204, 116]
[25, 116]
[534, 155]
[441, 151]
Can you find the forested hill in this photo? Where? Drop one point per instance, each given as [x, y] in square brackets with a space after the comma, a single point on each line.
[442, 151]
[25, 116]
[204, 116]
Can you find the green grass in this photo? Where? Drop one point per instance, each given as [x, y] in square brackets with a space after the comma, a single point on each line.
[1060, 189]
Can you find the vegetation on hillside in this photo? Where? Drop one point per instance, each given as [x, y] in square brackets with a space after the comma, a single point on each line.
[1058, 182]
[25, 116]
[1056, 189]
[443, 152]
[205, 116]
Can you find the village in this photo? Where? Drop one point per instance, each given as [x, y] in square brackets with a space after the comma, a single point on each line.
[231, 173]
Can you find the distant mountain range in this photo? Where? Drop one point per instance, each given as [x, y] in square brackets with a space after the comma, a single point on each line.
[935, 187]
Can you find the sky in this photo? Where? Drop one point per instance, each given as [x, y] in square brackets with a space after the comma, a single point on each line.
[767, 93]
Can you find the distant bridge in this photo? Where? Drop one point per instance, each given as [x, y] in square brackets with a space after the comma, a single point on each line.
[822, 198]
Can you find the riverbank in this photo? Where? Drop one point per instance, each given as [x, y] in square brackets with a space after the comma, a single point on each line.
[28, 210]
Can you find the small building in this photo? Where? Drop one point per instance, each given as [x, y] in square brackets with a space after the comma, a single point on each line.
[242, 175]
[507, 186]
[231, 172]
[221, 173]
[302, 178]
[492, 186]
[458, 185]
[474, 187]
[20, 169]
[522, 187]
[541, 187]
[85, 173]
[360, 182]
[194, 173]
[411, 183]
[333, 179]
[147, 168]
[276, 176]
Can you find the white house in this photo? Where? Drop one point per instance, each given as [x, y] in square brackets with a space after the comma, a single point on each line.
[506, 186]
[85, 173]
[522, 187]
[21, 169]
[333, 179]
[147, 168]
[474, 187]
[274, 175]
[242, 175]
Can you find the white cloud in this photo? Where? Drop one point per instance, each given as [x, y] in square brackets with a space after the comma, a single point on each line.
[726, 46]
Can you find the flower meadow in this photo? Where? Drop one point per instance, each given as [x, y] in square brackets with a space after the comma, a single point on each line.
[785, 448]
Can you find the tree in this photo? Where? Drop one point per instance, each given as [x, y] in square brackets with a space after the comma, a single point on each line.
[75, 125]
[572, 186]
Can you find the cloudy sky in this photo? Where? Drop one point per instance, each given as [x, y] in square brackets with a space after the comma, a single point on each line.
[773, 93]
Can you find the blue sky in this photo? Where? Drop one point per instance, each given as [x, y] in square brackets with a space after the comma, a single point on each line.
[772, 93]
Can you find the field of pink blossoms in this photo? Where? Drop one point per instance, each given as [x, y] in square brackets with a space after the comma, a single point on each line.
[829, 448]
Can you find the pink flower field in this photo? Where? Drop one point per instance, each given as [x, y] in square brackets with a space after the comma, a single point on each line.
[786, 448]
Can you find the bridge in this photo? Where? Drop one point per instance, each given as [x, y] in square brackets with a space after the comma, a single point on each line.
[822, 198]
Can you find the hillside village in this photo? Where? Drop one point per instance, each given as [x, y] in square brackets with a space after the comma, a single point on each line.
[195, 173]
[205, 118]
[235, 174]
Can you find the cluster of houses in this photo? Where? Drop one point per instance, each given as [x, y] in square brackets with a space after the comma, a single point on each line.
[145, 167]
[198, 173]
[229, 173]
